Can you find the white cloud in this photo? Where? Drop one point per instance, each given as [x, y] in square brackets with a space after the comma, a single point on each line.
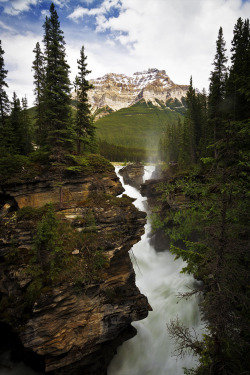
[45, 13]
[105, 7]
[6, 27]
[61, 3]
[178, 35]
[15, 7]
[88, 2]
[18, 59]
[80, 12]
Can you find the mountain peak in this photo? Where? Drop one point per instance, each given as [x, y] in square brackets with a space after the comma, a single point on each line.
[119, 90]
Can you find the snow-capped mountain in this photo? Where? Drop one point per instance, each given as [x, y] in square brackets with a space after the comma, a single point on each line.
[119, 91]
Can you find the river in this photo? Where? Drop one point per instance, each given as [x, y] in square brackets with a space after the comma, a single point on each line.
[158, 276]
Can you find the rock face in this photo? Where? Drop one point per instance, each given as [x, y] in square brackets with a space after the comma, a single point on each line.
[75, 329]
[71, 190]
[133, 174]
[118, 91]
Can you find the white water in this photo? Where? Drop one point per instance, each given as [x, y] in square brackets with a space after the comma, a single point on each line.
[158, 276]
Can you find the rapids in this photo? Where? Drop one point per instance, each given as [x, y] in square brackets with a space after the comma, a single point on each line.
[158, 276]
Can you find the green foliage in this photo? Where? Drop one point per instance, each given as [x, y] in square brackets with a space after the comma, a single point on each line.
[122, 153]
[214, 228]
[51, 259]
[4, 101]
[84, 127]
[11, 165]
[137, 127]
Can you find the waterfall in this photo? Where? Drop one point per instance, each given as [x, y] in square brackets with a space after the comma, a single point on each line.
[158, 276]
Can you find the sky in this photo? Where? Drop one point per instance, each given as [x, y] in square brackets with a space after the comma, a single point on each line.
[121, 36]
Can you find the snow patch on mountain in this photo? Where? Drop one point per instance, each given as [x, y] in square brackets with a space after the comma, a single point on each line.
[119, 91]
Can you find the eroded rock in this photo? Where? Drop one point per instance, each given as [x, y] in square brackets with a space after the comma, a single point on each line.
[75, 328]
[132, 174]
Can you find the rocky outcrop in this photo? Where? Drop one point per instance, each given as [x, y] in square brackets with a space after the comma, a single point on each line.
[133, 174]
[118, 91]
[71, 190]
[74, 327]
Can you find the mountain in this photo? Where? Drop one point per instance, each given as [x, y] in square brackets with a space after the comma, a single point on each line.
[117, 91]
[132, 113]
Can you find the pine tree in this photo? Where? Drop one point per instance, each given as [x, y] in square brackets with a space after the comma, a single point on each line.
[15, 130]
[84, 127]
[4, 101]
[57, 87]
[238, 86]
[39, 82]
[190, 123]
[26, 127]
[217, 90]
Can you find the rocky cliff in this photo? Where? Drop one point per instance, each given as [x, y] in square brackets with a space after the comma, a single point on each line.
[118, 91]
[71, 324]
[133, 174]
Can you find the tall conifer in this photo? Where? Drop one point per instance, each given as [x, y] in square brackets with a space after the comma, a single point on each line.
[4, 101]
[238, 86]
[57, 86]
[38, 67]
[83, 125]
[217, 90]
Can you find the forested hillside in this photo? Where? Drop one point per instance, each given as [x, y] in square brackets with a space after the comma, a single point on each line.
[212, 222]
[134, 133]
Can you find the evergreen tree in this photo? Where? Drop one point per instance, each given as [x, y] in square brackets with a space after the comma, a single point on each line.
[84, 127]
[190, 123]
[57, 87]
[26, 127]
[193, 135]
[238, 86]
[15, 138]
[217, 90]
[4, 101]
[39, 82]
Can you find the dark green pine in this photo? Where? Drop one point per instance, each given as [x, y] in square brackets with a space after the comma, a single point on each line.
[84, 127]
[4, 101]
[57, 86]
[38, 67]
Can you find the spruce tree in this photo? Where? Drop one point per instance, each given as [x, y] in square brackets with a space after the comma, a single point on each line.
[4, 101]
[238, 86]
[57, 87]
[217, 90]
[15, 130]
[26, 127]
[38, 67]
[84, 127]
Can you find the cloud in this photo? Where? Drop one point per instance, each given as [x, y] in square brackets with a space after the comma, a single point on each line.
[61, 3]
[20, 76]
[124, 37]
[79, 12]
[15, 7]
[6, 27]
[178, 35]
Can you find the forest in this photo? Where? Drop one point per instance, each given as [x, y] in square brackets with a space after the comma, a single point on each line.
[55, 135]
[211, 149]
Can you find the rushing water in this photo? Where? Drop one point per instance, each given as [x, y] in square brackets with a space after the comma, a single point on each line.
[158, 276]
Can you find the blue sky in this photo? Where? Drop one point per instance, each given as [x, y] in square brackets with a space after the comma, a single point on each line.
[121, 36]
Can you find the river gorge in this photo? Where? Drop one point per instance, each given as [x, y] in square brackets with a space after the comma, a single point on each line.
[158, 277]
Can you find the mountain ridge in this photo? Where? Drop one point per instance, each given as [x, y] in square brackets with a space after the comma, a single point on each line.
[118, 91]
